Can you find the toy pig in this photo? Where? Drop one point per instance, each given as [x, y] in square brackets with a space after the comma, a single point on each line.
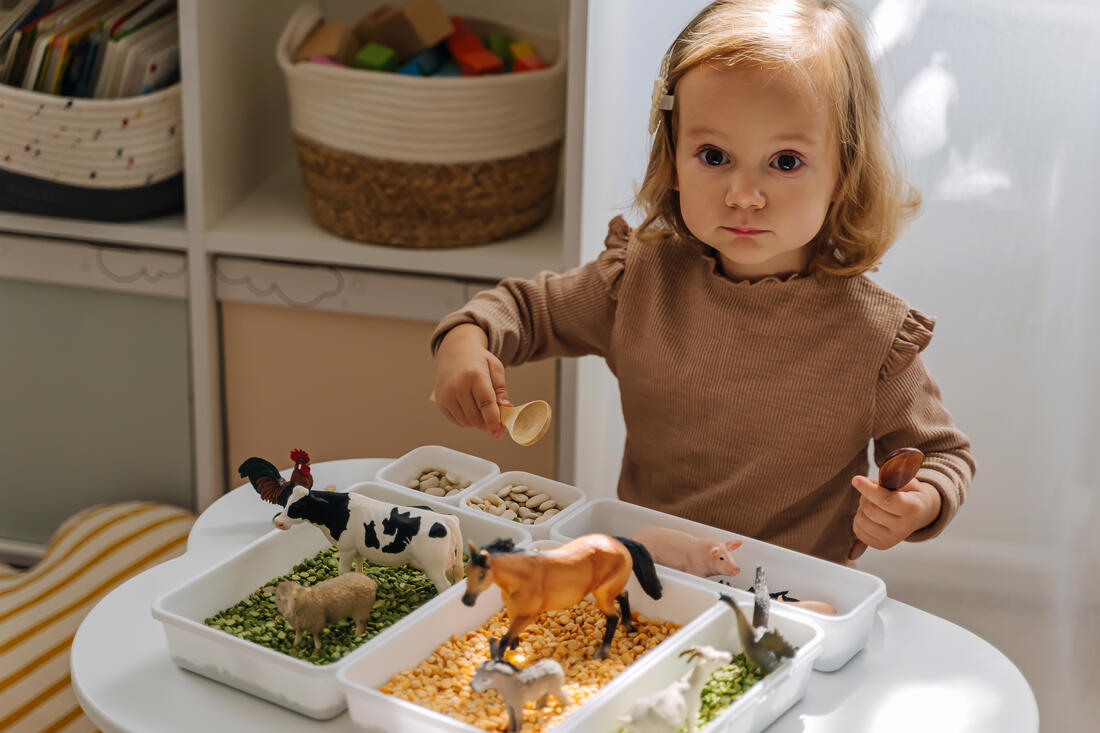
[681, 551]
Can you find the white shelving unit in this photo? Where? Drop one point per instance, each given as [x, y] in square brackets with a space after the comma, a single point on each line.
[245, 200]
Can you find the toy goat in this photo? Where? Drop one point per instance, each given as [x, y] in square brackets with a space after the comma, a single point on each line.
[681, 551]
[309, 609]
[518, 686]
[678, 704]
[765, 648]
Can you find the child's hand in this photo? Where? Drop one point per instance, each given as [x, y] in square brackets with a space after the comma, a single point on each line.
[887, 517]
[469, 380]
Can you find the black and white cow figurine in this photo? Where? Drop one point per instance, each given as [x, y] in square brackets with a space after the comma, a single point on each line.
[360, 527]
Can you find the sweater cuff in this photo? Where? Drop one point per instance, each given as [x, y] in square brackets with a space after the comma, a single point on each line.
[450, 321]
[949, 504]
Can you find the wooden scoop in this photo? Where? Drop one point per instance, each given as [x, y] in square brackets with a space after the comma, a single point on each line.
[899, 468]
[526, 423]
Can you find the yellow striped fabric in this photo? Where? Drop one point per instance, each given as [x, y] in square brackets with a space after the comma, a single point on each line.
[40, 609]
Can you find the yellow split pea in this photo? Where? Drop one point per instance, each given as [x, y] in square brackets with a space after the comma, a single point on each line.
[571, 636]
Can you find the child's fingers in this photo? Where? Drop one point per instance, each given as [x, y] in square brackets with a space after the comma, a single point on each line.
[500, 387]
[470, 410]
[877, 495]
[877, 514]
[486, 402]
[871, 532]
[857, 550]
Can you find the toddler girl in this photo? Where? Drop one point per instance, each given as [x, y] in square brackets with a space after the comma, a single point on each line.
[755, 359]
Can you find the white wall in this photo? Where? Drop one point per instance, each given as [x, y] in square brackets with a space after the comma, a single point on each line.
[996, 110]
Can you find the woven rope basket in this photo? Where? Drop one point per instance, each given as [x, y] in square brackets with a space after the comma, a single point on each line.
[98, 158]
[420, 161]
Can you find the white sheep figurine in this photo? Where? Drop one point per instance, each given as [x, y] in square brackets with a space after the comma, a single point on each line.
[518, 686]
[677, 704]
[310, 608]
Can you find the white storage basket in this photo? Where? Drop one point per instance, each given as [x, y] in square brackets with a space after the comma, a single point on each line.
[426, 161]
[110, 159]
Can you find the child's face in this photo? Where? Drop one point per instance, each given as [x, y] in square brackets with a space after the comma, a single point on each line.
[737, 169]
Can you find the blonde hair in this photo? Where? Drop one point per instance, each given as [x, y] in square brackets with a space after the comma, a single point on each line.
[820, 44]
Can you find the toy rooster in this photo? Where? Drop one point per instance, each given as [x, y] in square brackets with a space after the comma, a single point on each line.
[269, 484]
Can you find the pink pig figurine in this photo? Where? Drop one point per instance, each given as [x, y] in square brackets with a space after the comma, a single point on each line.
[680, 550]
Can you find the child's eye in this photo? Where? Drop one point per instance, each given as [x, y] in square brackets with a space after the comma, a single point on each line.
[713, 157]
[787, 162]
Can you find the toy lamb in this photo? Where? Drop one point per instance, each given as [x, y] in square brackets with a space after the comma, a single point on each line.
[309, 609]
[517, 686]
[682, 551]
[678, 704]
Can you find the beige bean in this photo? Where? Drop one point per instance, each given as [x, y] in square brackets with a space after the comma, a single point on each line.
[524, 512]
[434, 491]
[498, 510]
[452, 492]
[505, 491]
[549, 513]
[494, 499]
[412, 484]
[429, 483]
[537, 499]
[451, 477]
[548, 504]
[508, 514]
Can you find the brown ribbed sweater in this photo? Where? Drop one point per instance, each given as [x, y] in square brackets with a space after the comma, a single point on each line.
[748, 406]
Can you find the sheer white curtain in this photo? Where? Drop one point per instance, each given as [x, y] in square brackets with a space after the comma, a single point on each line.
[996, 107]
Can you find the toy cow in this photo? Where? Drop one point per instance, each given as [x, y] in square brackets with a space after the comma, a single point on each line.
[360, 527]
[682, 551]
[309, 609]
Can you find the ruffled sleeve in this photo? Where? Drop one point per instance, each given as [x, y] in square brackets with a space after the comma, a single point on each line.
[911, 339]
[552, 314]
[908, 412]
[611, 263]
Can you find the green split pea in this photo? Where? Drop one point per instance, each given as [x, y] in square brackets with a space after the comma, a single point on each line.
[256, 619]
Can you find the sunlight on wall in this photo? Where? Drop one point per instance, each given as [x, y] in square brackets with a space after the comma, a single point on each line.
[893, 22]
[922, 109]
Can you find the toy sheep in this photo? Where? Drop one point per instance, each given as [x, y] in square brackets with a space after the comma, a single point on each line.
[678, 704]
[516, 686]
[682, 551]
[309, 609]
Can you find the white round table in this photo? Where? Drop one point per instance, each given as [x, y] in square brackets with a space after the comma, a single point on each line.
[918, 672]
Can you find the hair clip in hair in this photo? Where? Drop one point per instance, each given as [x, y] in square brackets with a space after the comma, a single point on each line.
[662, 100]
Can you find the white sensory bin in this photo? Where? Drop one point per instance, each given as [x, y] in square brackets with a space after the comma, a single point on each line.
[462, 465]
[565, 495]
[854, 594]
[295, 684]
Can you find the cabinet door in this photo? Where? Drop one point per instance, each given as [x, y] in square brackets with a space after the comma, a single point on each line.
[337, 362]
[94, 398]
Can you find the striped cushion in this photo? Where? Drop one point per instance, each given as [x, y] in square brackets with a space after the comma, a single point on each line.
[91, 553]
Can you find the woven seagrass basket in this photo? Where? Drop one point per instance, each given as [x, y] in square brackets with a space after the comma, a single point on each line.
[410, 161]
[105, 159]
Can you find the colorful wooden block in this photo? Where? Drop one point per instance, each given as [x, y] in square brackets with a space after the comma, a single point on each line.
[366, 30]
[450, 68]
[319, 59]
[476, 63]
[411, 68]
[376, 57]
[498, 43]
[431, 59]
[521, 49]
[334, 40]
[530, 63]
[408, 30]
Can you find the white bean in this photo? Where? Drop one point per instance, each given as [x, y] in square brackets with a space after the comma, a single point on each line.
[537, 499]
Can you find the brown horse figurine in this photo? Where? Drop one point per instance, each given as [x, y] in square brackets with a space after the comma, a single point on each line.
[532, 581]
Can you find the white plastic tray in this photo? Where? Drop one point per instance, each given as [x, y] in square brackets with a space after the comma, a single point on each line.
[556, 490]
[683, 601]
[300, 686]
[854, 594]
[463, 465]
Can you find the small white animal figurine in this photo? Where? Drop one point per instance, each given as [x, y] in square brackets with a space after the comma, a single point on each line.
[309, 609]
[360, 527]
[518, 686]
[682, 551]
[678, 704]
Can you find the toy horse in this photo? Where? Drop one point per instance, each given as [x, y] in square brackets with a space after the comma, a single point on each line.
[532, 581]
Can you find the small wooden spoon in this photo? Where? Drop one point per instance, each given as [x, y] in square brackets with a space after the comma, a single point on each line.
[526, 423]
[899, 468]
